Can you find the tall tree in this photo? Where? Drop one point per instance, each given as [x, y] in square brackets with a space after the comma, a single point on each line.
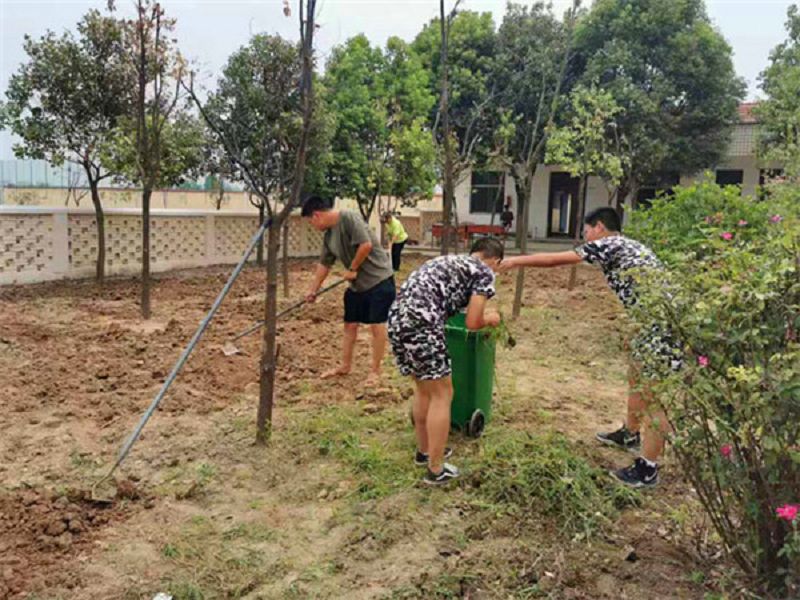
[459, 50]
[581, 146]
[380, 101]
[779, 114]
[67, 98]
[256, 106]
[533, 68]
[671, 73]
[263, 115]
[158, 66]
[256, 109]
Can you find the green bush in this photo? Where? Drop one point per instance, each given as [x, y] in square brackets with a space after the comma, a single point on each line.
[733, 299]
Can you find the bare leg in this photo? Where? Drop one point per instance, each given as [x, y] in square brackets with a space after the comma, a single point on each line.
[636, 404]
[420, 412]
[438, 422]
[379, 339]
[348, 344]
[656, 426]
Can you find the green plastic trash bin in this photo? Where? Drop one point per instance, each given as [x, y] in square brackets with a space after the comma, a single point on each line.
[472, 357]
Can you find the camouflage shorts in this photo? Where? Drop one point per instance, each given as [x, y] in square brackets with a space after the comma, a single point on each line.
[418, 347]
[657, 351]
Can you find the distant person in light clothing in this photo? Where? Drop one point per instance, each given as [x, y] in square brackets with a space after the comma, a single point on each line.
[397, 237]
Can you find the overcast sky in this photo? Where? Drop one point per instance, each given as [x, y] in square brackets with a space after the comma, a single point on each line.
[210, 30]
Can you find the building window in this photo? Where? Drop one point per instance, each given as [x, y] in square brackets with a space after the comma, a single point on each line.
[730, 177]
[487, 190]
[660, 184]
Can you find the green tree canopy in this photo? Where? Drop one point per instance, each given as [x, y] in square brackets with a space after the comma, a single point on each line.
[182, 150]
[472, 48]
[68, 98]
[672, 75]
[581, 144]
[381, 145]
[256, 111]
[779, 114]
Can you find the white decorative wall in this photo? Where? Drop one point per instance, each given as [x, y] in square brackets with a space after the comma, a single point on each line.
[44, 243]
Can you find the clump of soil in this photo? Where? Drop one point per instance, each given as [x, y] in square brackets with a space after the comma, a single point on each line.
[40, 532]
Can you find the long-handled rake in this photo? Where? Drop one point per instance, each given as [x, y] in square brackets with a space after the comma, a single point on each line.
[126, 447]
[230, 348]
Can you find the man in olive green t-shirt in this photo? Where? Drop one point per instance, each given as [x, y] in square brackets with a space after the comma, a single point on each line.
[371, 291]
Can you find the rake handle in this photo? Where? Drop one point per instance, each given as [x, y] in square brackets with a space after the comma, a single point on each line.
[259, 324]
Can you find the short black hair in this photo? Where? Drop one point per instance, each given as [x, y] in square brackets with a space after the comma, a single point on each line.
[489, 247]
[314, 204]
[605, 215]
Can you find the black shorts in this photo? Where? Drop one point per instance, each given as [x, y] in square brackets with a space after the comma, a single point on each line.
[372, 306]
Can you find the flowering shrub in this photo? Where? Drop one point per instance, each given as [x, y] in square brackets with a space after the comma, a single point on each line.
[733, 299]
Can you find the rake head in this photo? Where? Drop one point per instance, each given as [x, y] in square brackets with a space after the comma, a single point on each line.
[230, 349]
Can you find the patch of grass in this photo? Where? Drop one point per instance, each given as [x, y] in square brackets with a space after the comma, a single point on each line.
[534, 475]
[205, 473]
[82, 460]
[441, 587]
[303, 389]
[185, 590]
[256, 504]
[252, 532]
[368, 445]
[240, 424]
[697, 577]
[208, 562]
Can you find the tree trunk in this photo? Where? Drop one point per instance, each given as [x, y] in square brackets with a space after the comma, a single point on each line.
[521, 227]
[146, 194]
[573, 272]
[285, 258]
[269, 346]
[260, 249]
[100, 219]
[220, 195]
[444, 108]
[523, 193]
[268, 358]
[623, 191]
[500, 190]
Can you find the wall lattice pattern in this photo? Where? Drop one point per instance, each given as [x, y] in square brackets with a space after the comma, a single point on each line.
[25, 244]
[40, 244]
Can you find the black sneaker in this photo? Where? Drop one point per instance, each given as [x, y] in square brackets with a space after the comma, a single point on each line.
[622, 438]
[449, 472]
[638, 475]
[421, 459]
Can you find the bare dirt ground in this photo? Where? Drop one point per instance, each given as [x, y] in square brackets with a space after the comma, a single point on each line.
[331, 509]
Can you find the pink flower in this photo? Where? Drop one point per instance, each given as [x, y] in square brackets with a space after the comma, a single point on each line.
[702, 361]
[775, 219]
[787, 512]
[742, 223]
[726, 235]
[726, 450]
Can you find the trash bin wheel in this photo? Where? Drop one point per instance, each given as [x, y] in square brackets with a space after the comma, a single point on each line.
[476, 424]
